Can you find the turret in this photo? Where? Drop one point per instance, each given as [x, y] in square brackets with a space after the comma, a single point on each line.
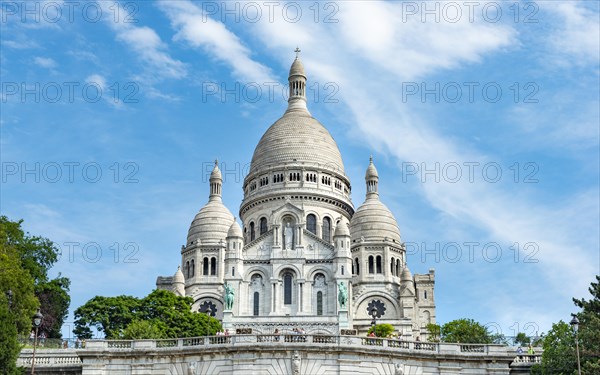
[179, 283]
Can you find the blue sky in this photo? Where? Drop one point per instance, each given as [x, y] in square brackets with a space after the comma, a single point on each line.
[482, 117]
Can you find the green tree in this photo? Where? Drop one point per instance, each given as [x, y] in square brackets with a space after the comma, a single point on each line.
[382, 330]
[16, 312]
[120, 317]
[466, 331]
[559, 355]
[589, 329]
[559, 351]
[434, 331]
[54, 301]
[143, 329]
[109, 315]
[37, 255]
[522, 339]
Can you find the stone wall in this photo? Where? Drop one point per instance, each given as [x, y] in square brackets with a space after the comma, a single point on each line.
[285, 354]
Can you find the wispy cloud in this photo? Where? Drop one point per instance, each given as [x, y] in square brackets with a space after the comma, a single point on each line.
[199, 30]
[577, 37]
[45, 62]
[144, 41]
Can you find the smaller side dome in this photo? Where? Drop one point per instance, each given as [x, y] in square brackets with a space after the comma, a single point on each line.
[178, 276]
[341, 230]
[406, 275]
[235, 230]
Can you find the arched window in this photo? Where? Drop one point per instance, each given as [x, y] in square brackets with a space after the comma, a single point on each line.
[353, 269]
[256, 303]
[392, 267]
[232, 271]
[371, 264]
[326, 229]
[187, 268]
[287, 289]
[357, 266]
[397, 267]
[252, 233]
[213, 266]
[311, 223]
[378, 263]
[205, 266]
[319, 303]
[263, 225]
[342, 270]
[192, 268]
[425, 294]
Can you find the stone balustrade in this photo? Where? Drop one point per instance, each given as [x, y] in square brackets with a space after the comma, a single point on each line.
[73, 361]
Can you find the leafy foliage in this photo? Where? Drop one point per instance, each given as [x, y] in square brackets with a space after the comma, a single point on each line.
[109, 315]
[559, 351]
[435, 332]
[37, 255]
[15, 315]
[522, 339]
[466, 331]
[143, 329]
[559, 344]
[382, 330]
[54, 300]
[170, 316]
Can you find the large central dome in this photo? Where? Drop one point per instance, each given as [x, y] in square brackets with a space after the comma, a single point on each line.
[297, 138]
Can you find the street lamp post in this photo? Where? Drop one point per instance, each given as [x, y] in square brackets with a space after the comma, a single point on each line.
[37, 321]
[374, 321]
[575, 324]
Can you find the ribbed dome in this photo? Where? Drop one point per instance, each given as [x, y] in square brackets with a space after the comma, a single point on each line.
[297, 137]
[374, 221]
[178, 277]
[235, 230]
[297, 68]
[211, 223]
[341, 230]
[406, 275]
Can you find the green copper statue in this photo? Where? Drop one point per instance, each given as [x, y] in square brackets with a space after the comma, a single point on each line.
[229, 294]
[342, 294]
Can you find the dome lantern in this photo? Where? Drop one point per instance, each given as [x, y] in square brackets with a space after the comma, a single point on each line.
[297, 84]
[216, 182]
[372, 179]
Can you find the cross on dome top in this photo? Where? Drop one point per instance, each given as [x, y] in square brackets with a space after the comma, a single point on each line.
[297, 50]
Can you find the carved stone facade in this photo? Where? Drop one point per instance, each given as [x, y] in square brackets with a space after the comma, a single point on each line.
[300, 239]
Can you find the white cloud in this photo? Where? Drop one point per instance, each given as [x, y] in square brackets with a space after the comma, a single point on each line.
[396, 51]
[45, 62]
[145, 41]
[199, 30]
[577, 38]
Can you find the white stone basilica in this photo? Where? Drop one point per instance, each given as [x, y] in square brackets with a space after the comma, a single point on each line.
[305, 258]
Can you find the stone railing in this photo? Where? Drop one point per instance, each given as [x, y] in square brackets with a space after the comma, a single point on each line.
[289, 339]
[49, 358]
[527, 359]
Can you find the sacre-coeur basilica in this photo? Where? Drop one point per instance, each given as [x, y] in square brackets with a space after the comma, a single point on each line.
[297, 278]
[301, 253]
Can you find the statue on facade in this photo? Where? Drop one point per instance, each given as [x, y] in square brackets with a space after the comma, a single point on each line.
[288, 236]
[229, 294]
[342, 294]
[296, 363]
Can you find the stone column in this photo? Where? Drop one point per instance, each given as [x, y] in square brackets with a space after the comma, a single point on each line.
[300, 296]
[274, 297]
